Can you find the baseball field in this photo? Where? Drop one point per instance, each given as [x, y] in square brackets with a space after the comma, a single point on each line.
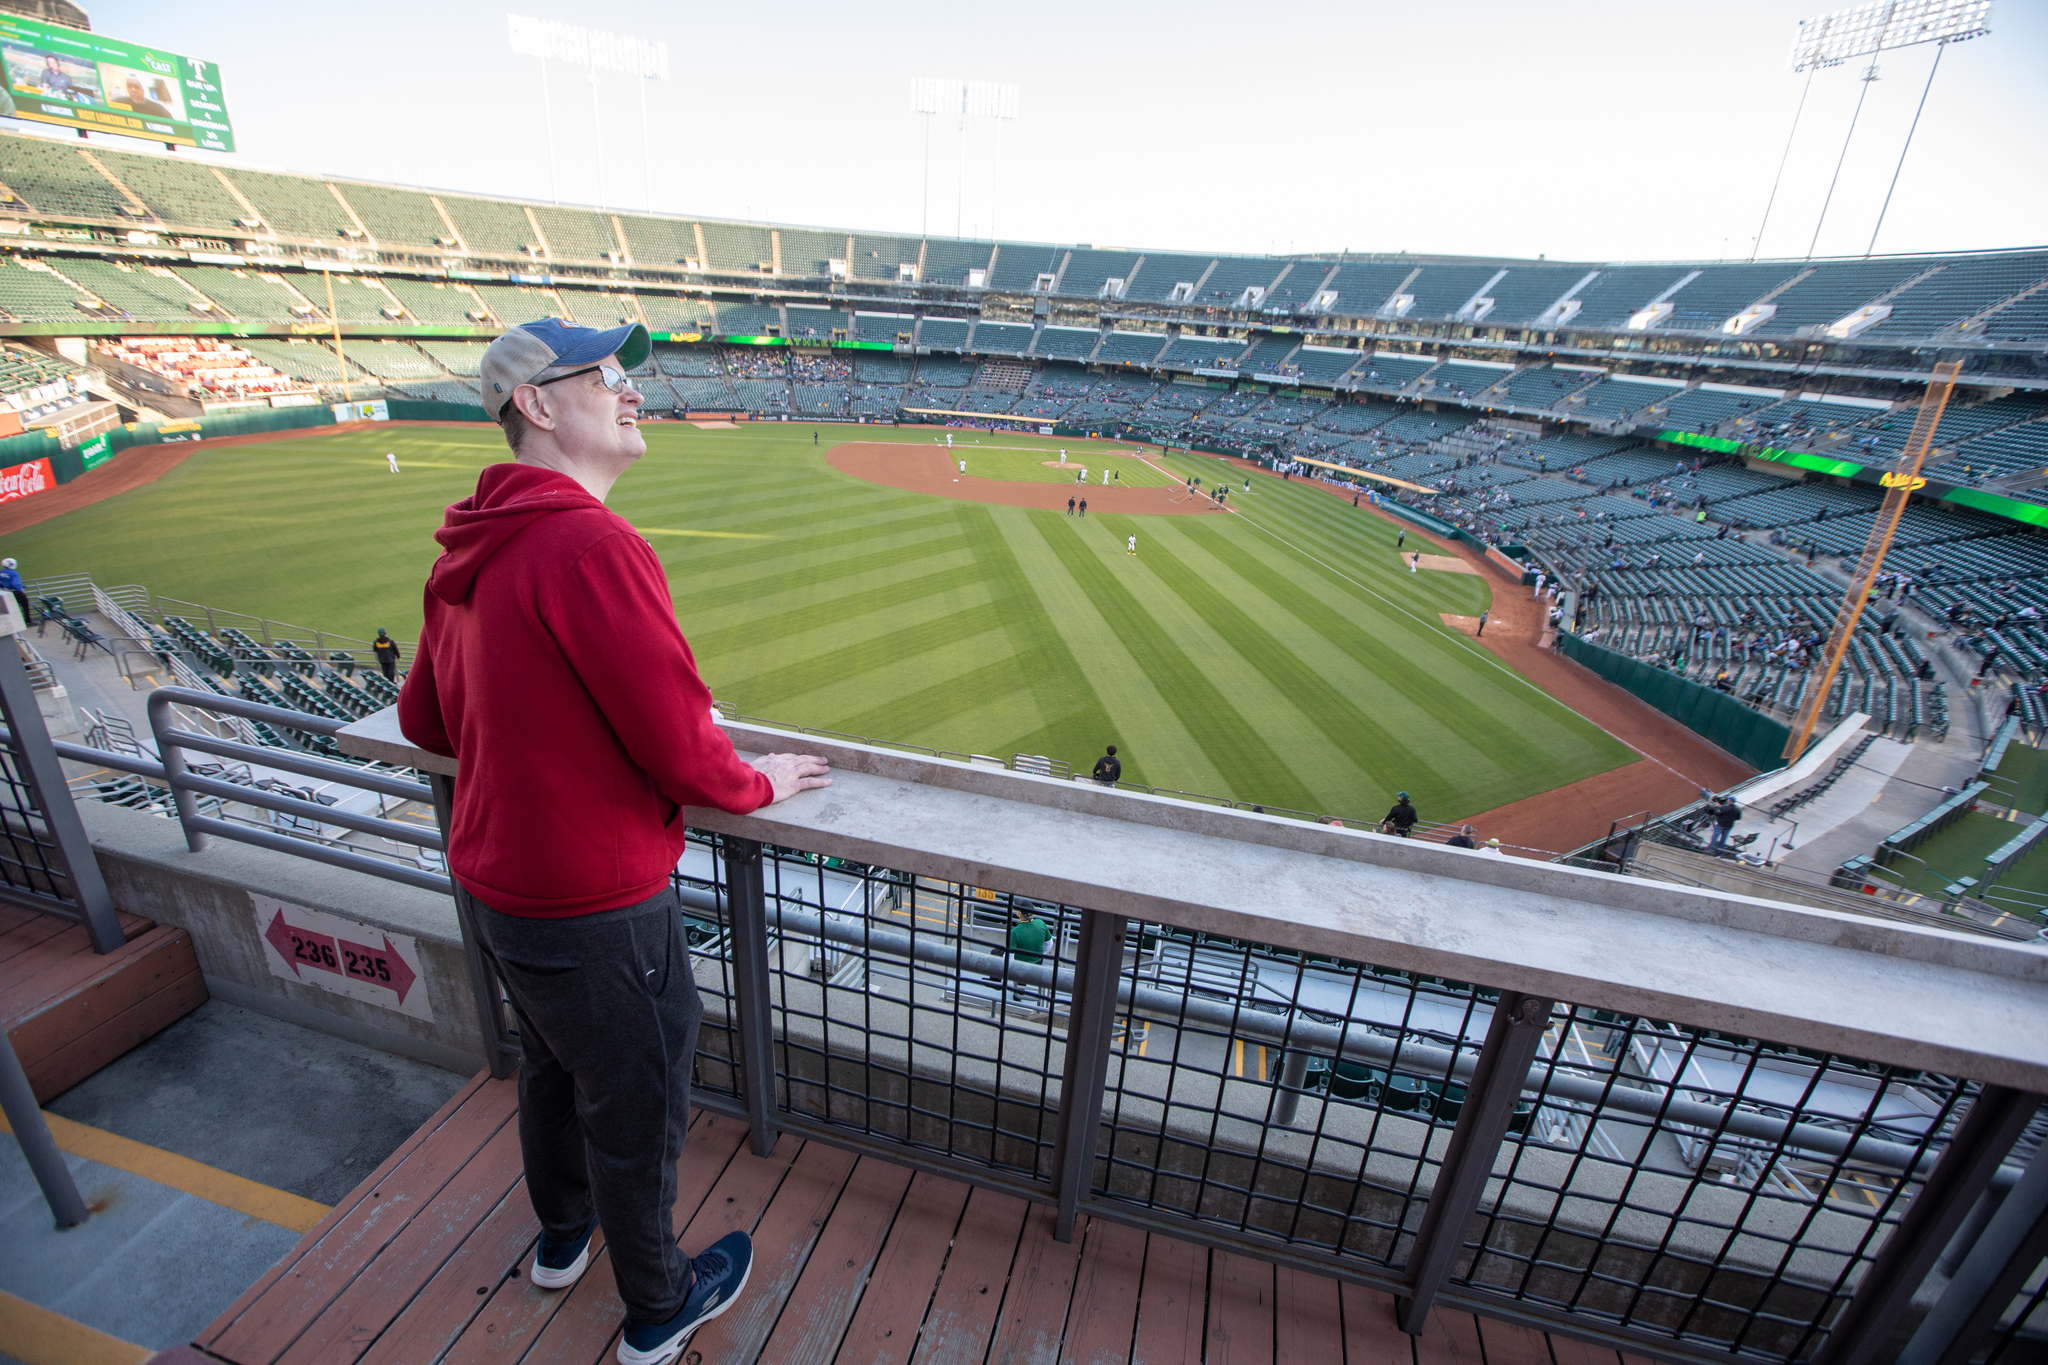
[1280, 651]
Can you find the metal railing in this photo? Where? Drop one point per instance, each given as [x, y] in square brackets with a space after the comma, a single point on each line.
[1666, 1187]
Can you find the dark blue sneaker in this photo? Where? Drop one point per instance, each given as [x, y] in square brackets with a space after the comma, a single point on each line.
[721, 1273]
[557, 1265]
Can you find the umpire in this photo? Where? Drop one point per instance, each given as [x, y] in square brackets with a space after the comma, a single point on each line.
[551, 666]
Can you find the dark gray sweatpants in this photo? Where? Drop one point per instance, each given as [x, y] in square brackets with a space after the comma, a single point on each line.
[608, 1013]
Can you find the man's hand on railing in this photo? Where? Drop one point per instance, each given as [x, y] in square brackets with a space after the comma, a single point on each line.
[793, 773]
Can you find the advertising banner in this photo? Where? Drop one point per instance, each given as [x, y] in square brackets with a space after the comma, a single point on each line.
[95, 451]
[22, 480]
[362, 412]
[84, 80]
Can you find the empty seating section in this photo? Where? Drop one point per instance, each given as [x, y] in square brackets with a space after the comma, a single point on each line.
[1461, 379]
[355, 300]
[675, 360]
[1440, 290]
[1067, 343]
[464, 358]
[1364, 289]
[2022, 321]
[1018, 266]
[816, 322]
[29, 292]
[176, 191]
[1161, 272]
[428, 302]
[1541, 386]
[876, 369]
[659, 241]
[943, 334]
[1388, 370]
[1526, 290]
[704, 394]
[390, 360]
[395, 217]
[1885, 435]
[514, 304]
[2015, 450]
[1086, 271]
[1719, 294]
[672, 313]
[1614, 296]
[738, 248]
[947, 262]
[595, 308]
[1704, 409]
[1299, 285]
[1961, 290]
[1005, 338]
[1323, 365]
[303, 360]
[248, 296]
[881, 258]
[748, 320]
[575, 234]
[945, 374]
[821, 399]
[807, 253]
[1131, 348]
[60, 183]
[293, 206]
[1235, 274]
[139, 292]
[489, 226]
[890, 328]
[1270, 355]
[1622, 398]
[762, 395]
[1203, 353]
[1833, 291]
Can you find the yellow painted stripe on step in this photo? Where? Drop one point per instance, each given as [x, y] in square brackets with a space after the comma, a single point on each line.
[182, 1173]
[36, 1336]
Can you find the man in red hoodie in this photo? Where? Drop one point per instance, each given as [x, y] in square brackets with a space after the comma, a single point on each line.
[551, 666]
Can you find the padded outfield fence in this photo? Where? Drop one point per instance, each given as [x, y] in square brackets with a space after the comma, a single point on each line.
[1749, 735]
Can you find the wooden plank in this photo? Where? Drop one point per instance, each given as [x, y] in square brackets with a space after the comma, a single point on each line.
[446, 1304]
[55, 969]
[1174, 1303]
[1103, 1317]
[963, 1309]
[1372, 1336]
[885, 1327]
[55, 1072]
[1034, 1313]
[44, 932]
[1449, 1338]
[740, 1186]
[325, 1265]
[1240, 1311]
[783, 1237]
[815, 1314]
[360, 1313]
[1504, 1343]
[1566, 1351]
[342, 1210]
[1308, 1319]
[104, 987]
[149, 985]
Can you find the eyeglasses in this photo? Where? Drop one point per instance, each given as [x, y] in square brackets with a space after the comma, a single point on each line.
[610, 376]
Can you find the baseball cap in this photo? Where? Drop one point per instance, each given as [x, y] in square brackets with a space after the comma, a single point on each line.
[527, 352]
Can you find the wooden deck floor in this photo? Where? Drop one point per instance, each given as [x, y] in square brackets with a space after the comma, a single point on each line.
[857, 1261]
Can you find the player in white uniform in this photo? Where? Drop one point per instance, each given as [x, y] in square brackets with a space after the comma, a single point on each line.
[1131, 547]
[391, 458]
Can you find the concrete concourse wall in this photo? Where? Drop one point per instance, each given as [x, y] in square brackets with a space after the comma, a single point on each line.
[151, 873]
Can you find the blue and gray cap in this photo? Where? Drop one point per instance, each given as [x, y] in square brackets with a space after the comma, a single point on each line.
[537, 350]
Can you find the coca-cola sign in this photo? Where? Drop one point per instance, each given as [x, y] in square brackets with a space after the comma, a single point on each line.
[24, 479]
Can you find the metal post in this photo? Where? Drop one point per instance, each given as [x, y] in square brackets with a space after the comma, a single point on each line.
[1963, 1173]
[1519, 1022]
[25, 1117]
[182, 800]
[501, 1049]
[1091, 1019]
[747, 913]
[1293, 1079]
[2012, 1245]
[45, 778]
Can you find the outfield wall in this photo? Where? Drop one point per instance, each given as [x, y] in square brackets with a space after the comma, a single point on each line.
[1716, 717]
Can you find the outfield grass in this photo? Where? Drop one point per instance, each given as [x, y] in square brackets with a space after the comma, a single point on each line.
[1280, 655]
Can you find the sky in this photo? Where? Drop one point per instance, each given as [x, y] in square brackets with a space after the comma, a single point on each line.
[1627, 130]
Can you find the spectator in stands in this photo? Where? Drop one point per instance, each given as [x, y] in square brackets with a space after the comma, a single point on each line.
[1724, 813]
[1109, 770]
[10, 579]
[1029, 935]
[1462, 839]
[551, 666]
[386, 650]
[1401, 818]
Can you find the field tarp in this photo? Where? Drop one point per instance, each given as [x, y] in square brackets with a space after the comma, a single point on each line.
[1716, 717]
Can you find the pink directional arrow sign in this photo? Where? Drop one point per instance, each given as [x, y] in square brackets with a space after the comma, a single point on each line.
[364, 962]
[378, 967]
[302, 947]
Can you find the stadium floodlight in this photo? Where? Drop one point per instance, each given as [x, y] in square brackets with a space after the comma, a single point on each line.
[1833, 39]
[953, 97]
[594, 50]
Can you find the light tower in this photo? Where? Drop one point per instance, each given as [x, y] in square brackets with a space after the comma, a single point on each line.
[594, 50]
[952, 97]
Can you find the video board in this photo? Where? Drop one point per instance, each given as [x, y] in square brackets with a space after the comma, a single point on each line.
[59, 75]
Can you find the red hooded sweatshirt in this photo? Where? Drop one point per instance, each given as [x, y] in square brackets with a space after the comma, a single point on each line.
[551, 666]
